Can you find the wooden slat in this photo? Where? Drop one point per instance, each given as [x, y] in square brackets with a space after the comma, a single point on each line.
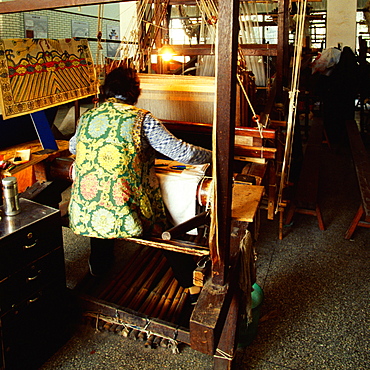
[183, 247]
[246, 200]
[206, 128]
[124, 315]
[255, 151]
[257, 170]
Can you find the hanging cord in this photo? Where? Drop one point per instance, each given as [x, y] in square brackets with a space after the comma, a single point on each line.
[255, 117]
[223, 355]
[139, 37]
[99, 56]
[248, 36]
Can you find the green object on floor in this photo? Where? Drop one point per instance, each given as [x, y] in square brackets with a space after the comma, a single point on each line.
[247, 332]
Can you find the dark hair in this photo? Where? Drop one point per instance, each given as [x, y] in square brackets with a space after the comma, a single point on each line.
[123, 83]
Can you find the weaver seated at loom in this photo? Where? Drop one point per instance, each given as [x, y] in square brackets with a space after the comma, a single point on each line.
[116, 193]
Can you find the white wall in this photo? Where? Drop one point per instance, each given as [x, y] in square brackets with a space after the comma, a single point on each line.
[110, 11]
[341, 23]
[127, 11]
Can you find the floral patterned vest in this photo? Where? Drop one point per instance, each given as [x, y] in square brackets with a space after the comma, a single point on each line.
[116, 192]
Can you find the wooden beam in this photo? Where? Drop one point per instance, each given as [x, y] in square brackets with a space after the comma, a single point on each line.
[207, 49]
[209, 318]
[283, 41]
[227, 345]
[226, 62]
[259, 49]
[173, 245]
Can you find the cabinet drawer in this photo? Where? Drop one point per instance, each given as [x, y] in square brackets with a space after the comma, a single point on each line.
[28, 244]
[32, 278]
[34, 330]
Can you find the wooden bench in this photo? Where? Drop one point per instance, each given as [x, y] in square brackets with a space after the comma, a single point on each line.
[305, 198]
[362, 165]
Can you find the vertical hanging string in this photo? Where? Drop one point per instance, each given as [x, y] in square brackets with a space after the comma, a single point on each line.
[293, 97]
[133, 49]
[248, 35]
[99, 56]
[255, 116]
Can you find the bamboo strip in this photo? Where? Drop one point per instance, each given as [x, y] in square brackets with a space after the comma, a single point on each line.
[148, 305]
[136, 279]
[156, 308]
[168, 299]
[114, 284]
[175, 303]
[179, 309]
[145, 290]
[148, 275]
[183, 247]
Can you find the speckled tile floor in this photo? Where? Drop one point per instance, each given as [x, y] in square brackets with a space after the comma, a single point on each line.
[315, 313]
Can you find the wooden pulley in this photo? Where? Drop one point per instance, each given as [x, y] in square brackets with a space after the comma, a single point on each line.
[256, 118]
[204, 190]
[61, 168]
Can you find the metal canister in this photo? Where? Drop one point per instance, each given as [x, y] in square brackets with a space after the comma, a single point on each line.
[10, 196]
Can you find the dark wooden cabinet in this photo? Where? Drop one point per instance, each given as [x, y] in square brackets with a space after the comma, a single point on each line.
[33, 293]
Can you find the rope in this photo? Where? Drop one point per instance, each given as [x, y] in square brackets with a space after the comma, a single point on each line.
[99, 55]
[249, 34]
[255, 116]
[174, 343]
[223, 355]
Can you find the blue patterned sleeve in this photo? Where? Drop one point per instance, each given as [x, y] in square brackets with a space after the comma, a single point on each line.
[72, 144]
[169, 145]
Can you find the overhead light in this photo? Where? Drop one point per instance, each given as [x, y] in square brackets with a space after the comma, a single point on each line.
[166, 52]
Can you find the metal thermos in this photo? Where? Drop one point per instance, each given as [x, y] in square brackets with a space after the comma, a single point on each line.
[10, 196]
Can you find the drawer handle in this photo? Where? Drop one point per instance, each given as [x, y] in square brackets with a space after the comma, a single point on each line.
[32, 300]
[34, 277]
[30, 246]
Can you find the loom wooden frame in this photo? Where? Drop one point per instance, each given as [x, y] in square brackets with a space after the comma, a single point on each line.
[215, 329]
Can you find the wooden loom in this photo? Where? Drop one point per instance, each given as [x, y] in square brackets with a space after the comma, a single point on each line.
[210, 331]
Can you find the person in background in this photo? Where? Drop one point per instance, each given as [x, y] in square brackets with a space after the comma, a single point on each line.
[115, 193]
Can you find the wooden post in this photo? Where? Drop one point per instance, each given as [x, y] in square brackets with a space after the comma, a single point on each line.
[226, 62]
[227, 345]
[283, 42]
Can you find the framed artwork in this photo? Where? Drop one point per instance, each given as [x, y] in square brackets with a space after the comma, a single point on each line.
[112, 34]
[80, 29]
[35, 26]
